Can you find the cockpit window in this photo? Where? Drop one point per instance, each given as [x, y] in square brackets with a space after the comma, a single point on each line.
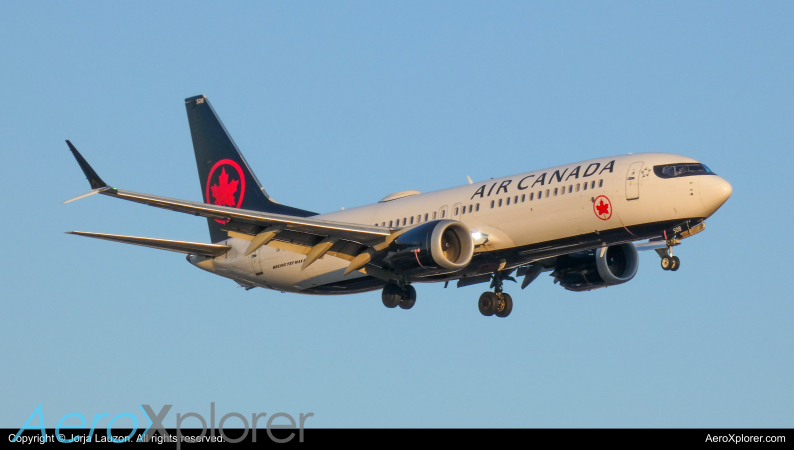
[681, 170]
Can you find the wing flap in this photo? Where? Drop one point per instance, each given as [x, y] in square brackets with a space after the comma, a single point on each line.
[196, 248]
[290, 242]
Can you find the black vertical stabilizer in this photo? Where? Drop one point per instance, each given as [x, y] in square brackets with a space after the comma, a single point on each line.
[226, 179]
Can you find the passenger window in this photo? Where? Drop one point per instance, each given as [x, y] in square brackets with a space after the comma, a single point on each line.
[443, 213]
[532, 196]
[577, 187]
[540, 195]
[600, 183]
[456, 211]
[390, 223]
[523, 197]
[555, 191]
[463, 210]
[515, 200]
[570, 189]
[469, 208]
[592, 184]
[434, 215]
[478, 207]
[492, 202]
[500, 202]
[547, 192]
[405, 221]
[412, 220]
[383, 224]
[584, 187]
[426, 217]
[508, 200]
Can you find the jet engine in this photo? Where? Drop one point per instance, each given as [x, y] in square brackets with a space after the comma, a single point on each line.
[437, 246]
[594, 269]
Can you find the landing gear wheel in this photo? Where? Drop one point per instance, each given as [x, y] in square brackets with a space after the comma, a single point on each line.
[504, 306]
[487, 303]
[409, 297]
[667, 262]
[392, 295]
[675, 263]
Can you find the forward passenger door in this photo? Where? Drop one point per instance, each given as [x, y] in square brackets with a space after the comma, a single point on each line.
[633, 181]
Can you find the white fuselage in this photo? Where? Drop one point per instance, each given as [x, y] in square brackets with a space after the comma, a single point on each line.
[521, 210]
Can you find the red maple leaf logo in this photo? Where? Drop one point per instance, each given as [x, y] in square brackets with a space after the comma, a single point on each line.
[224, 191]
[602, 208]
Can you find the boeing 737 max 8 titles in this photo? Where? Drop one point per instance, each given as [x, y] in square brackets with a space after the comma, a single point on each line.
[578, 221]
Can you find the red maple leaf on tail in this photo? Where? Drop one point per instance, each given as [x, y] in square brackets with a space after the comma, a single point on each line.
[224, 191]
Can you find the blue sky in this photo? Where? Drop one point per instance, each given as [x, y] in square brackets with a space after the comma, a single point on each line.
[336, 104]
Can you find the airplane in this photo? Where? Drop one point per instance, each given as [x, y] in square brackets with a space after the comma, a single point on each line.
[579, 221]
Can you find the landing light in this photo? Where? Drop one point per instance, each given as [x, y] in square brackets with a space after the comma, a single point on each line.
[476, 235]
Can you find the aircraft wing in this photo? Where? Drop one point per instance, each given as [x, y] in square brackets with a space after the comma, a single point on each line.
[347, 231]
[196, 248]
[303, 235]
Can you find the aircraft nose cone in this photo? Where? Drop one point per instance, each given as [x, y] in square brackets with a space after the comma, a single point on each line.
[714, 191]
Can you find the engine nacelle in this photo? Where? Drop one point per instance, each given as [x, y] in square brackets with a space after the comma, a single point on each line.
[437, 246]
[585, 271]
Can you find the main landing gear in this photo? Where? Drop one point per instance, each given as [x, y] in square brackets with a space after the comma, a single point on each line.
[393, 296]
[496, 303]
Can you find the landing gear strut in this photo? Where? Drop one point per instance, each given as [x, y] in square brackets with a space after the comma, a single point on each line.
[669, 262]
[393, 296]
[497, 302]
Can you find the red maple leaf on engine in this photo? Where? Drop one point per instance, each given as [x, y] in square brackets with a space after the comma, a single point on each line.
[224, 191]
[602, 208]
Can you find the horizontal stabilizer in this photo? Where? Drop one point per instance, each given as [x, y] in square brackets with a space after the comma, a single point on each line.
[196, 248]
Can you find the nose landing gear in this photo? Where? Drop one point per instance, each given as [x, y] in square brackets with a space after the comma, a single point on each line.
[672, 238]
[669, 262]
